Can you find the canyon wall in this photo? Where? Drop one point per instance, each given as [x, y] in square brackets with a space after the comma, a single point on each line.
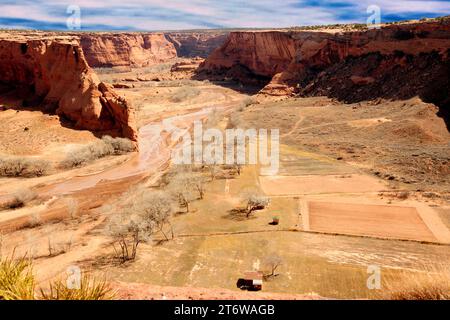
[55, 73]
[146, 49]
[126, 49]
[288, 62]
[196, 44]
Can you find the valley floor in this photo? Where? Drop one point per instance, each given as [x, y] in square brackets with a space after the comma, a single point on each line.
[358, 186]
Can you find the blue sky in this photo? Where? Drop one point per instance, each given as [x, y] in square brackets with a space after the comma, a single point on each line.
[191, 14]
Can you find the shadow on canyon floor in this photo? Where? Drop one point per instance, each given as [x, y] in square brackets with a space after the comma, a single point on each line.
[24, 99]
[395, 77]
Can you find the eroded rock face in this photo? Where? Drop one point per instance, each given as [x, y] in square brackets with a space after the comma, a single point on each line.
[290, 61]
[55, 73]
[126, 49]
[196, 44]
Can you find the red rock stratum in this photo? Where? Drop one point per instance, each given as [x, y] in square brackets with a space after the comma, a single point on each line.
[126, 49]
[287, 62]
[56, 76]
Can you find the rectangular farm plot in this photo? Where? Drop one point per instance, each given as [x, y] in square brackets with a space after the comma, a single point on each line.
[368, 220]
[296, 185]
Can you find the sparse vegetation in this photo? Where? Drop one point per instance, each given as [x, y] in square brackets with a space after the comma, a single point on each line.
[272, 262]
[256, 202]
[16, 279]
[182, 188]
[15, 166]
[20, 198]
[149, 212]
[90, 288]
[105, 147]
[184, 93]
[17, 282]
[431, 284]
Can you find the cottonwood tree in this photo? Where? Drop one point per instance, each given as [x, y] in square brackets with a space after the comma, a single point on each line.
[272, 262]
[182, 187]
[156, 209]
[199, 183]
[128, 229]
[256, 201]
[148, 213]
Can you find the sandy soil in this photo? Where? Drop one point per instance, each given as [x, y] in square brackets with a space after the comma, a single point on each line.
[343, 197]
[136, 291]
[284, 185]
[371, 220]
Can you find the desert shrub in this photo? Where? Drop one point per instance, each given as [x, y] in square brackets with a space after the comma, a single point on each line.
[120, 145]
[16, 279]
[234, 121]
[146, 213]
[432, 284]
[248, 102]
[272, 262]
[96, 150]
[13, 166]
[20, 198]
[184, 93]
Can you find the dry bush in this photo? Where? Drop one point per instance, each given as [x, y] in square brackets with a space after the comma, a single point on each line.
[431, 284]
[256, 201]
[35, 220]
[119, 145]
[184, 93]
[248, 101]
[182, 188]
[20, 198]
[234, 121]
[403, 195]
[96, 150]
[272, 262]
[12, 166]
[149, 212]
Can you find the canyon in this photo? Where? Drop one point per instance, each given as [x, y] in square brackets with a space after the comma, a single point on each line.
[52, 74]
[145, 49]
[363, 150]
[351, 65]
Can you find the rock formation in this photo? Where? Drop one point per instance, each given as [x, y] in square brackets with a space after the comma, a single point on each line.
[196, 44]
[286, 59]
[57, 78]
[126, 49]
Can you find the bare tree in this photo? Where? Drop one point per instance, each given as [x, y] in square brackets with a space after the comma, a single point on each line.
[156, 209]
[256, 202]
[182, 188]
[272, 262]
[238, 168]
[213, 170]
[128, 230]
[199, 182]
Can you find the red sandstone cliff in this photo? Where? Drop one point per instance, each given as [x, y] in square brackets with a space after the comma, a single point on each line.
[196, 44]
[56, 73]
[286, 62]
[126, 49]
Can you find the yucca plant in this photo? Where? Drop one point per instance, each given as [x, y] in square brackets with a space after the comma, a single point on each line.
[16, 279]
[90, 289]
